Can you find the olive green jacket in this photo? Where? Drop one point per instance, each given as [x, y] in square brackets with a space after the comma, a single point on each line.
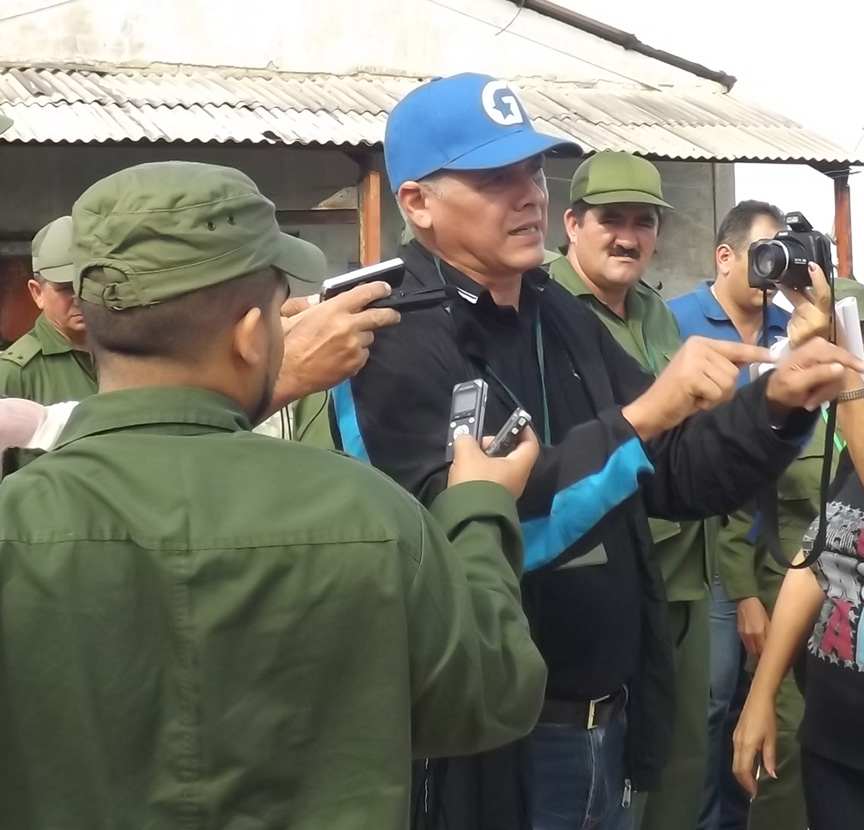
[42, 366]
[206, 628]
[744, 565]
[650, 335]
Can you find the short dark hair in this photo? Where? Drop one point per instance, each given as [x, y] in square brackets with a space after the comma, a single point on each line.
[735, 228]
[182, 327]
[582, 207]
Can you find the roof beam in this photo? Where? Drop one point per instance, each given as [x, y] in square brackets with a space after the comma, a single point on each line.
[623, 39]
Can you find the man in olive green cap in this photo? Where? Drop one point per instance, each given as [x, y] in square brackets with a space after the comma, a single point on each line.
[612, 227]
[203, 626]
[51, 364]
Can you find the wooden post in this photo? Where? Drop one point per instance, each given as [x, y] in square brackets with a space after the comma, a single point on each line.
[843, 223]
[369, 226]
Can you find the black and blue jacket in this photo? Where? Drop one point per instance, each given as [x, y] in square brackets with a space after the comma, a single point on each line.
[594, 484]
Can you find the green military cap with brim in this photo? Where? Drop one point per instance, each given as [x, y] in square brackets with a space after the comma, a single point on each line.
[850, 288]
[609, 178]
[164, 229]
[52, 251]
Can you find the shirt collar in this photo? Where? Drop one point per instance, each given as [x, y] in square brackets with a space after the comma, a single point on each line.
[52, 341]
[533, 281]
[153, 406]
[777, 318]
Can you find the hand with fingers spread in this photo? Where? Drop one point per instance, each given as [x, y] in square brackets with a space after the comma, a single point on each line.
[328, 342]
[812, 315]
[807, 376]
[470, 463]
[755, 737]
[703, 374]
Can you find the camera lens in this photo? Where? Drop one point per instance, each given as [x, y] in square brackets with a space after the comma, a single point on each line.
[769, 260]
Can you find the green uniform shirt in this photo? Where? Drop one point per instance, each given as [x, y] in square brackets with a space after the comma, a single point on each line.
[747, 569]
[650, 335]
[42, 366]
[204, 627]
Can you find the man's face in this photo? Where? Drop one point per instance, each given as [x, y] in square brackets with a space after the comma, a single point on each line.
[764, 227]
[490, 222]
[274, 333]
[60, 307]
[613, 244]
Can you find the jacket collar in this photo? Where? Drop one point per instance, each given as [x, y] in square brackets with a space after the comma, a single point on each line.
[198, 409]
[432, 271]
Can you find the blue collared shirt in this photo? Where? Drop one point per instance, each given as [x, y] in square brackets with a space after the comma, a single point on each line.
[700, 314]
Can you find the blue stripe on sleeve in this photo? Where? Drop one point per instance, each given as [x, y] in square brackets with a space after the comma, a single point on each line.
[578, 507]
[346, 419]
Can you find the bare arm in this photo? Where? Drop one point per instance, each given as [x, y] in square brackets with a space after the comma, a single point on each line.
[794, 615]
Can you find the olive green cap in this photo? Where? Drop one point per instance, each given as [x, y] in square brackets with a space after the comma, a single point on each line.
[161, 230]
[850, 288]
[52, 251]
[5, 123]
[610, 178]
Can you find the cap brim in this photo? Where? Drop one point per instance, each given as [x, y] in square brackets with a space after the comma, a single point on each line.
[5, 123]
[617, 197]
[58, 274]
[303, 264]
[513, 147]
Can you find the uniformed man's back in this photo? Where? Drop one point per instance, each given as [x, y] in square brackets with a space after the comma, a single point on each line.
[203, 627]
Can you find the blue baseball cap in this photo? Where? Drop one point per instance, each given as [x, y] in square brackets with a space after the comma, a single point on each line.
[464, 122]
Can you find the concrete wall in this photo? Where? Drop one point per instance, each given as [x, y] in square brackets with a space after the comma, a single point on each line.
[41, 183]
[412, 36]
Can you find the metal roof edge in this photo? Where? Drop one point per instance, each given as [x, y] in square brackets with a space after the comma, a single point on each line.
[624, 39]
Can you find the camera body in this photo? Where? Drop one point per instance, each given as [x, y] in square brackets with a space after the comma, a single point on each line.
[783, 260]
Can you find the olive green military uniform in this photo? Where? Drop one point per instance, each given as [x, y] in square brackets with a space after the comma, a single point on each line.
[650, 335]
[204, 627]
[43, 366]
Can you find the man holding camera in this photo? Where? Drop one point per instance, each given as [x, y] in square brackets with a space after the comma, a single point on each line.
[467, 169]
[617, 205]
[748, 578]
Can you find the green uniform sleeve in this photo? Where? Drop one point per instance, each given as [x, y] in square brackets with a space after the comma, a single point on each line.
[736, 557]
[477, 678]
[10, 380]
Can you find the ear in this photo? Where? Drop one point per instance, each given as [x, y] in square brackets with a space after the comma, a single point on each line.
[571, 225]
[723, 257]
[414, 199]
[35, 288]
[249, 341]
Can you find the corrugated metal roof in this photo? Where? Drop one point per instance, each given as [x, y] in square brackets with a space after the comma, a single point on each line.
[233, 105]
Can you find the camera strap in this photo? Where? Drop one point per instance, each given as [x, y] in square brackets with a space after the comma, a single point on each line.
[767, 500]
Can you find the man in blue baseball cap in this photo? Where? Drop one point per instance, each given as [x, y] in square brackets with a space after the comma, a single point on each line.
[466, 166]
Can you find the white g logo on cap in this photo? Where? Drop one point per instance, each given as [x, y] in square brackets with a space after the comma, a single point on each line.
[501, 104]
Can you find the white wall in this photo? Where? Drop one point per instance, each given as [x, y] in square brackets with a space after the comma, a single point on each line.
[412, 36]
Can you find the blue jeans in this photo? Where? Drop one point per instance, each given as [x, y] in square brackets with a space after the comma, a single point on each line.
[722, 808]
[579, 778]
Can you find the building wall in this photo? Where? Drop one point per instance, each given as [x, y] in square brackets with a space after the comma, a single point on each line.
[412, 36]
[42, 182]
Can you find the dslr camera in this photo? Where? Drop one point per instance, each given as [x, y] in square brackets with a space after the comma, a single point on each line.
[783, 259]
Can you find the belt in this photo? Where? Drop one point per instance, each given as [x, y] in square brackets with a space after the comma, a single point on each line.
[585, 714]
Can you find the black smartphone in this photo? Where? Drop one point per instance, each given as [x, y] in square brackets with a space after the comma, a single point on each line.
[467, 412]
[391, 271]
[508, 436]
[417, 300]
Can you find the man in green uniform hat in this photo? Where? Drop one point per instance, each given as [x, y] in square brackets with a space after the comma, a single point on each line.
[205, 627]
[612, 227]
[50, 364]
